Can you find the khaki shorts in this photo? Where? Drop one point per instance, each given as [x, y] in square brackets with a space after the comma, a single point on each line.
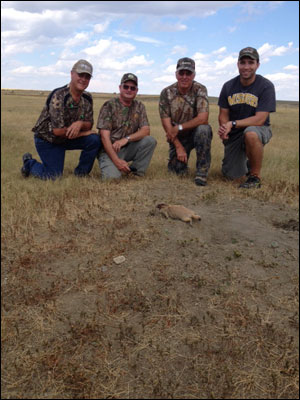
[234, 163]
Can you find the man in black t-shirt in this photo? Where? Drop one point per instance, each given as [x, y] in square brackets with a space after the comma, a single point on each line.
[244, 125]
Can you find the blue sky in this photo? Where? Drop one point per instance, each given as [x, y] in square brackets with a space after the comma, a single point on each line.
[41, 40]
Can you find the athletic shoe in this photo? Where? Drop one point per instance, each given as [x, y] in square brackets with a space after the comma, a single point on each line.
[253, 182]
[200, 181]
[24, 171]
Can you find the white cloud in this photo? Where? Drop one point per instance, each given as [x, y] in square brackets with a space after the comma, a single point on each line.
[279, 77]
[100, 28]
[106, 48]
[221, 50]
[50, 70]
[25, 32]
[286, 85]
[266, 51]
[181, 50]
[160, 26]
[137, 38]
[292, 68]
[23, 70]
[79, 39]
[229, 61]
[112, 55]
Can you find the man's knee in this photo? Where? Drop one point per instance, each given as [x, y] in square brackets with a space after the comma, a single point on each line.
[251, 134]
[203, 132]
[257, 134]
[94, 140]
[203, 136]
[148, 141]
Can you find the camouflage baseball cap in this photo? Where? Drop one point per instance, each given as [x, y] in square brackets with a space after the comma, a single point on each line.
[129, 77]
[83, 66]
[186, 63]
[249, 52]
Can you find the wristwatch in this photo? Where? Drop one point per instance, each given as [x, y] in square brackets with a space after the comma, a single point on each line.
[180, 127]
[233, 124]
[128, 138]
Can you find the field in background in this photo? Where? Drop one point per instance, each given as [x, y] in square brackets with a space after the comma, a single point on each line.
[208, 311]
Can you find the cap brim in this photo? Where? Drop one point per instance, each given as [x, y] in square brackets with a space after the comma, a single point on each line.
[248, 55]
[186, 68]
[80, 71]
[129, 80]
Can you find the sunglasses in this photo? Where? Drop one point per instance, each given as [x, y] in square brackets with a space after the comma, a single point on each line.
[132, 88]
[183, 72]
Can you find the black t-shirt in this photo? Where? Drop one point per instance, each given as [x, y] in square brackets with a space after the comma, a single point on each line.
[245, 101]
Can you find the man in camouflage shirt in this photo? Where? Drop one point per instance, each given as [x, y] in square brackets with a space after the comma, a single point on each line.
[65, 124]
[125, 133]
[183, 109]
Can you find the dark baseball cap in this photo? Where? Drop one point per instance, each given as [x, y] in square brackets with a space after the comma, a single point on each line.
[129, 77]
[83, 66]
[249, 52]
[186, 63]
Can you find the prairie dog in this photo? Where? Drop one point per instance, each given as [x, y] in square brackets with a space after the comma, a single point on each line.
[178, 212]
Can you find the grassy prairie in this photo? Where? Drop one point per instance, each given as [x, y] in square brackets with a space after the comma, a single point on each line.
[202, 311]
[280, 169]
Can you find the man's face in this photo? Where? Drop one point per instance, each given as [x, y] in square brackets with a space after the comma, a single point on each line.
[128, 90]
[185, 78]
[247, 68]
[81, 81]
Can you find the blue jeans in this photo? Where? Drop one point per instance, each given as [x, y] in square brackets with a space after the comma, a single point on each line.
[53, 156]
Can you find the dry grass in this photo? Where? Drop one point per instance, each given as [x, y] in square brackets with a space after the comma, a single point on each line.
[209, 311]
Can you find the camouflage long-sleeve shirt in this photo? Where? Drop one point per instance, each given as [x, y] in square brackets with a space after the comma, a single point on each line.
[61, 111]
[182, 108]
[120, 120]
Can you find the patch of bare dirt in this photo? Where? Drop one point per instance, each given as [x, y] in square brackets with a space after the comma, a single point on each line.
[202, 311]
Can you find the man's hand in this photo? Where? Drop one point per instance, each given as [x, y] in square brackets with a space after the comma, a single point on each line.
[172, 133]
[122, 165]
[74, 129]
[118, 144]
[224, 130]
[181, 153]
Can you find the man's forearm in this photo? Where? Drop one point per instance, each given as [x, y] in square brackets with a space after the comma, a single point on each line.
[201, 119]
[140, 134]
[85, 126]
[256, 120]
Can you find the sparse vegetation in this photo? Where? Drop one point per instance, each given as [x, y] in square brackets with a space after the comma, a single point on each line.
[202, 311]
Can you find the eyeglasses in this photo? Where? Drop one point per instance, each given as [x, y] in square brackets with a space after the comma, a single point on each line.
[132, 88]
[183, 72]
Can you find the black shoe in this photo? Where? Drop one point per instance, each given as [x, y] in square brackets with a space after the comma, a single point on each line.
[253, 182]
[24, 171]
[200, 181]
